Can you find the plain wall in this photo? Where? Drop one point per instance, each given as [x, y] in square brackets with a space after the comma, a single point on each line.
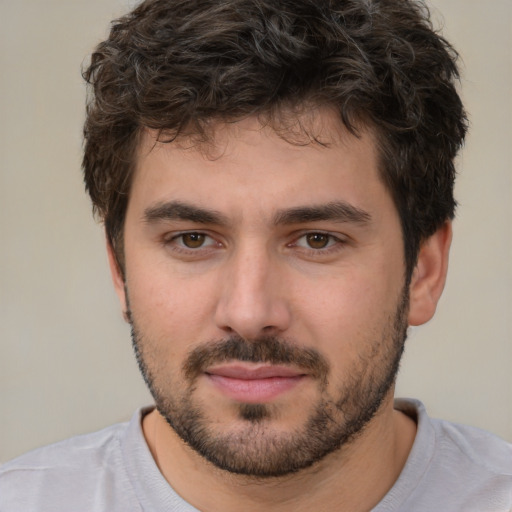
[66, 364]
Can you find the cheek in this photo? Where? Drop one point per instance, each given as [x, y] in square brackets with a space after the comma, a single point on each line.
[347, 313]
[171, 312]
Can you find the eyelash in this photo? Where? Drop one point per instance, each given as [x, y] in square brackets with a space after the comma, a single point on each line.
[176, 241]
[334, 244]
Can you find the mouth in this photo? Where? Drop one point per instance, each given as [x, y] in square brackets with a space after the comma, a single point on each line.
[249, 383]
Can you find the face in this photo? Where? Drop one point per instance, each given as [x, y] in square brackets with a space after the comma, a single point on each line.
[265, 285]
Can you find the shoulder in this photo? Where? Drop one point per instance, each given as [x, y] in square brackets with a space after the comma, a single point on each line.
[81, 449]
[472, 467]
[475, 447]
[460, 444]
[74, 472]
[452, 466]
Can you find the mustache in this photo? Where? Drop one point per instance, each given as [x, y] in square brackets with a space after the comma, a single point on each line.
[264, 349]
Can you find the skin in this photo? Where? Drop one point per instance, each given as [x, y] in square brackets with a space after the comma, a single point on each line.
[253, 277]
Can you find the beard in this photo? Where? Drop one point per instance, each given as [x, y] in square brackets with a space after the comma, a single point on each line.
[253, 447]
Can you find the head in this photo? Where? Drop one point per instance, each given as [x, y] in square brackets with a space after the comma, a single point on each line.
[226, 143]
[167, 67]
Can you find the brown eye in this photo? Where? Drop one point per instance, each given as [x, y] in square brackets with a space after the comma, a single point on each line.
[193, 240]
[317, 240]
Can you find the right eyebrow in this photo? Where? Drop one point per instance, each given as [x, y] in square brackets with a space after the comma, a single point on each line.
[177, 210]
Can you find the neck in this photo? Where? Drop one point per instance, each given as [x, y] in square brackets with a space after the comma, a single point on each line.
[355, 477]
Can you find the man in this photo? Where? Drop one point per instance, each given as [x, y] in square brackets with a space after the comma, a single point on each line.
[276, 183]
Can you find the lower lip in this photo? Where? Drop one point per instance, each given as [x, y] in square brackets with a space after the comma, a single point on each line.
[254, 390]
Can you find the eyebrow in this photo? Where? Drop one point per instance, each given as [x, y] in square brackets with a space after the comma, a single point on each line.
[338, 211]
[176, 210]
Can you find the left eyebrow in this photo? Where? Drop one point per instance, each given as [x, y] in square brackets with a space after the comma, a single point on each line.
[338, 211]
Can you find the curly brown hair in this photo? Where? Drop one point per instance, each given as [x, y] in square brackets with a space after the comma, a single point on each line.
[177, 65]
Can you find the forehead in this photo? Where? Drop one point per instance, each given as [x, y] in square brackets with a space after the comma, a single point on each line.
[300, 159]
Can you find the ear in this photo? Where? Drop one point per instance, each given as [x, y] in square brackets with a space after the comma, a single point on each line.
[117, 278]
[429, 275]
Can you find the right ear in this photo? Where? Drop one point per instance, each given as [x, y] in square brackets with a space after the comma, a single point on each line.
[117, 278]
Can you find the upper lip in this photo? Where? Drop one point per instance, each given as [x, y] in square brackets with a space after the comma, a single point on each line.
[253, 372]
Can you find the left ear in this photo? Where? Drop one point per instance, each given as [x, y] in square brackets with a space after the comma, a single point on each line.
[429, 275]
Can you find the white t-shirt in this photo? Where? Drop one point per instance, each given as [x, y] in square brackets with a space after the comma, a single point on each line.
[451, 468]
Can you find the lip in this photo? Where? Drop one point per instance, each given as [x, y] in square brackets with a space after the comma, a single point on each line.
[254, 383]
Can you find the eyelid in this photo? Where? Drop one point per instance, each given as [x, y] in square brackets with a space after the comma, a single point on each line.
[331, 240]
[173, 239]
[336, 243]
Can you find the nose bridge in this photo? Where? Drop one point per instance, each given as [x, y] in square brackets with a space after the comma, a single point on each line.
[252, 302]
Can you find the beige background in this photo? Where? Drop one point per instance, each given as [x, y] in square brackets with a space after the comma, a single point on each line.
[66, 365]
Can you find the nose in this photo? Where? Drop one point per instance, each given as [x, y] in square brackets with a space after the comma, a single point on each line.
[252, 300]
